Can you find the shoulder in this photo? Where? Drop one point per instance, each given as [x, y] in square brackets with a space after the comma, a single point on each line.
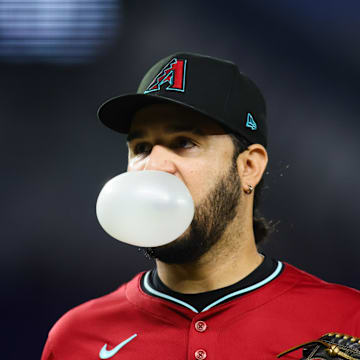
[313, 285]
[317, 306]
[93, 314]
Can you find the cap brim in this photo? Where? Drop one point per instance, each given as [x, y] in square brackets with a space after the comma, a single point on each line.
[117, 112]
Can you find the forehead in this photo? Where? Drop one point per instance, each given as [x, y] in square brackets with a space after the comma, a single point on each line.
[171, 118]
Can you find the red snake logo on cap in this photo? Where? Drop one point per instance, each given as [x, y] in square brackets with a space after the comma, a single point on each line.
[172, 74]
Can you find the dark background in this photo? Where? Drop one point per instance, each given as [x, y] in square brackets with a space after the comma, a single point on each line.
[56, 156]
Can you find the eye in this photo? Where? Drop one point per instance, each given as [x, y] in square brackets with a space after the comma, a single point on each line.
[139, 148]
[144, 147]
[182, 141]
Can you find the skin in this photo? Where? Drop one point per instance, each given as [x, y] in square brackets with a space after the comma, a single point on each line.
[203, 164]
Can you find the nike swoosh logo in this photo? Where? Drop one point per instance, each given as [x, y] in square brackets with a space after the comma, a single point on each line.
[107, 354]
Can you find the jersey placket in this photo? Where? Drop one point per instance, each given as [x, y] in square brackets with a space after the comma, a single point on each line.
[202, 339]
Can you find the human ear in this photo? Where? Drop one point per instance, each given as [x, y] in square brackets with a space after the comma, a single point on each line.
[251, 165]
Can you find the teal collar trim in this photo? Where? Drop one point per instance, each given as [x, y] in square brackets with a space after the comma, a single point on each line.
[235, 293]
[164, 296]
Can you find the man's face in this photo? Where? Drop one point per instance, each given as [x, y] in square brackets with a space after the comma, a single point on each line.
[202, 159]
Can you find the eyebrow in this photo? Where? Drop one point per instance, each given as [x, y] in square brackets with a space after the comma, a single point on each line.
[171, 129]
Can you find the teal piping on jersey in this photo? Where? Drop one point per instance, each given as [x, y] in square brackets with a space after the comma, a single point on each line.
[235, 293]
[167, 297]
[249, 288]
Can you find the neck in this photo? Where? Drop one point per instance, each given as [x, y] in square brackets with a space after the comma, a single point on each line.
[231, 259]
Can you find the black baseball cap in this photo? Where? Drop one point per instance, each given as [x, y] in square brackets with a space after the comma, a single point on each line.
[207, 85]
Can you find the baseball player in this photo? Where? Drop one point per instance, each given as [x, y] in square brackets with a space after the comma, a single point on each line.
[212, 295]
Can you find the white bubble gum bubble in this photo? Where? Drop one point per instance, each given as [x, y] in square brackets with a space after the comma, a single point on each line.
[146, 208]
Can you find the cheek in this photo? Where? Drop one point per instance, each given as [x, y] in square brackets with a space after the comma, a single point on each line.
[199, 181]
[203, 179]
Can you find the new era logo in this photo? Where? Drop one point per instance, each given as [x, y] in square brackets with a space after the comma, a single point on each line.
[250, 122]
[172, 75]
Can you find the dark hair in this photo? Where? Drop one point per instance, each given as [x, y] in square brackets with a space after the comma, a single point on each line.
[262, 227]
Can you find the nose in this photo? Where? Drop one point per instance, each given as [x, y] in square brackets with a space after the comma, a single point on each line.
[160, 159]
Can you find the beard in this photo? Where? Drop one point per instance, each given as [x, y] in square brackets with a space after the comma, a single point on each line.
[211, 218]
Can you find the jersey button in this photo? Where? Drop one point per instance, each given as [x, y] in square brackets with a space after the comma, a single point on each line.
[200, 326]
[200, 354]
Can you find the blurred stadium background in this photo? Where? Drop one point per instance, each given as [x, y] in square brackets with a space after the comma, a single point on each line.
[60, 59]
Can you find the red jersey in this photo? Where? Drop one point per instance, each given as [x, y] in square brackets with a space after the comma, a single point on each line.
[290, 308]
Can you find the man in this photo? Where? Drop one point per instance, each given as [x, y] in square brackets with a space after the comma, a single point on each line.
[212, 294]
